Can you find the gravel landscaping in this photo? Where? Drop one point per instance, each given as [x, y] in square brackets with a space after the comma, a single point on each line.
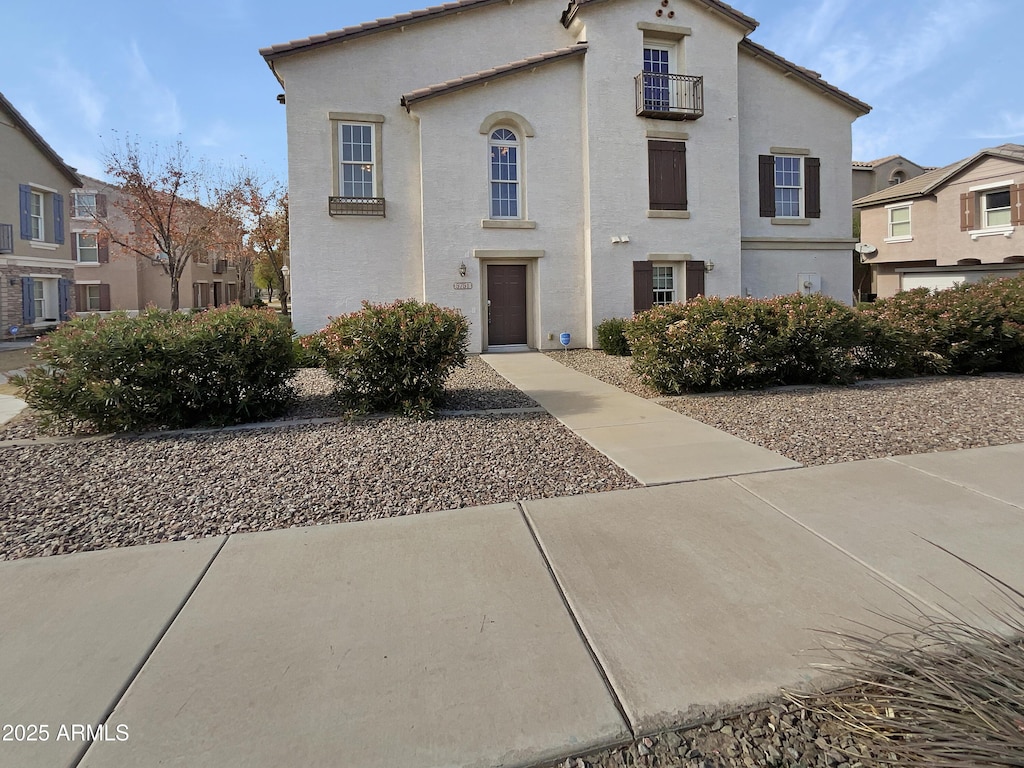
[83, 494]
[824, 425]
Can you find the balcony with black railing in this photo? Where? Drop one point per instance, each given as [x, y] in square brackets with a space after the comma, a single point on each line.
[669, 97]
[356, 206]
[6, 238]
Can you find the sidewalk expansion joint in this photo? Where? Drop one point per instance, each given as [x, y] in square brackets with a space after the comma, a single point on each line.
[904, 592]
[579, 629]
[149, 653]
[967, 488]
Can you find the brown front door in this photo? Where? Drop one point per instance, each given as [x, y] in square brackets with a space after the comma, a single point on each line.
[506, 304]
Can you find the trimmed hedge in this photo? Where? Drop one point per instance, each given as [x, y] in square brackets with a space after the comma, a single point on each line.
[394, 357]
[610, 335]
[969, 329]
[163, 369]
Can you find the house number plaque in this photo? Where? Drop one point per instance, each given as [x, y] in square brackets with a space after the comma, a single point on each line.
[463, 286]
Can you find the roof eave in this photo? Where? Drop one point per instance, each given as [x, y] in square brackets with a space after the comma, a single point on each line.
[748, 23]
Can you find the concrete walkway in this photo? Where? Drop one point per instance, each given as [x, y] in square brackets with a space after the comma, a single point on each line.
[10, 407]
[495, 636]
[652, 443]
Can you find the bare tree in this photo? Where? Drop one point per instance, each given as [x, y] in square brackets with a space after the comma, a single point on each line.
[178, 205]
[263, 203]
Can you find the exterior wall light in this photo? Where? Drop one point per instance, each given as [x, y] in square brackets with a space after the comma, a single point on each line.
[462, 269]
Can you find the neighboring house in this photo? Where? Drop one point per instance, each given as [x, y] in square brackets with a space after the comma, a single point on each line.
[541, 168]
[960, 223]
[109, 277]
[36, 269]
[868, 177]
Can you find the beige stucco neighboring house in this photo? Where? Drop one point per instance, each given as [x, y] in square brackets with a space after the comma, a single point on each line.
[960, 223]
[543, 167]
[109, 277]
[36, 268]
[875, 175]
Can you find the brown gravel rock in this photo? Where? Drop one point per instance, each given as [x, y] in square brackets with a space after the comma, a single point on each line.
[824, 425]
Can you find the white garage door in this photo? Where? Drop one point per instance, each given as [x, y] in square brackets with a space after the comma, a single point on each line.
[935, 282]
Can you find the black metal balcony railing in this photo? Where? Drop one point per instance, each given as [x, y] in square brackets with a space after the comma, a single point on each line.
[356, 206]
[6, 238]
[669, 97]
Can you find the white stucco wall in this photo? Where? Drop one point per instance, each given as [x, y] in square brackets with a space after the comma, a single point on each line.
[776, 111]
[617, 164]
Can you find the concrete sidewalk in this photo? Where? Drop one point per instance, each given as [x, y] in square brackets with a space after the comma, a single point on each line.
[652, 443]
[10, 407]
[504, 635]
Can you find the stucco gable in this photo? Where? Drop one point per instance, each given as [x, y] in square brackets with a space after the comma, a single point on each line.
[45, 149]
[724, 9]
[807, 76]
[487, 75]
[931, 182]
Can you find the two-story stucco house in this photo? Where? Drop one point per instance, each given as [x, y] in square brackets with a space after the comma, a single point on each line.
[959, 223]
[542, 167]
[109, 277]
[36, 267]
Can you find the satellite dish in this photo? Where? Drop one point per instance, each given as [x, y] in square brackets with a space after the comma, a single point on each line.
[864, 248]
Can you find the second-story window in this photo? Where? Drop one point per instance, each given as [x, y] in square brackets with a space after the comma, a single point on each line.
[788, 186]
[506, 200]
[996, 207]
[36, 214]
[83, 205]
[358, 163]
[87, 248]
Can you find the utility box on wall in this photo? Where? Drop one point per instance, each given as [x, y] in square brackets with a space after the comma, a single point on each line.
[808, 283]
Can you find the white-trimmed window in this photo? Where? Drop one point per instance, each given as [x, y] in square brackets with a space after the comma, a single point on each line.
[83, 205]
[664, 279]
[39, 298]
[87, 247]
[995, 207]
[659, 62]
[91, 294]
[789, 186]
[358, 163]
[505, 174]
[37, 213]
[899, 223]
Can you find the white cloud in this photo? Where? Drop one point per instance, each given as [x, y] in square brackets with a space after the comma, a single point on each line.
[86, 99]
[156, 103]
[217, 134]
[1008, 126]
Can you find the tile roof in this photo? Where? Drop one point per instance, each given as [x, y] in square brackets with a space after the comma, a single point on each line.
[809, 76]
[370, 27]
[928, 182]
[25, 127]
[486, 75]
[716, 5]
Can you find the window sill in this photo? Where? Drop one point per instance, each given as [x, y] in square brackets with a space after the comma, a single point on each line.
[507, 224]
[87, 263]
[658, 214]
[43, 246]
[791, 221]
[907, 239]
[1005, 231]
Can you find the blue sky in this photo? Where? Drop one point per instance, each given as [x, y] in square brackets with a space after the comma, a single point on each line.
[940, 74]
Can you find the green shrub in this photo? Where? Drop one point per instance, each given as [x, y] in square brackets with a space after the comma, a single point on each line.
[610, 337]
[711, 343]
[969, 329]
[163, 369]
[395, 357]
[309, 351]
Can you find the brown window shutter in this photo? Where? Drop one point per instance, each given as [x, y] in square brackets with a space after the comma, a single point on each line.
[103, 247]
[80, 301]
[694, 279]
[101, 206]
[666, 164]
[967, 208]
[74, 246]
[643, 286]
[1017, 205]
[104, 297]
[812, 188]
[766, 184]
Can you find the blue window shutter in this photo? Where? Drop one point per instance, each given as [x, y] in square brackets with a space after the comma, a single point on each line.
[58, 219]
[63, 298]
[25, 196]
[28, 301]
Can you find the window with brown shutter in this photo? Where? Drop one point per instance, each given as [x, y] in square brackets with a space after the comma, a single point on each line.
[812, 188]
[1017, 205]
[968, 206]
[643, 286]
[104, 297]
[103, 247]
[666, 162]
[766, 184]
[694, 284]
